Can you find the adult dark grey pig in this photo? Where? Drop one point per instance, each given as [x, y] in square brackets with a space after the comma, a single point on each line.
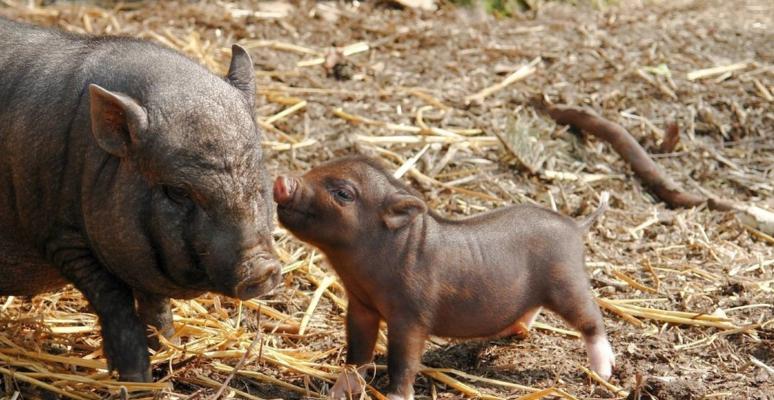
[133, 173]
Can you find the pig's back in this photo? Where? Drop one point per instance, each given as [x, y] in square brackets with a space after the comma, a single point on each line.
[37, 64]
[33, 120]
[44, 120]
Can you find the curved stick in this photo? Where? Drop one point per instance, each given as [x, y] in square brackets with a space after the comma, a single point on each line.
[627, 147]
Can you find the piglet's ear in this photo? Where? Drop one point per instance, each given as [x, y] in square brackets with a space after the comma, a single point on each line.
[117, 120]
[400, 209]
[241, 74]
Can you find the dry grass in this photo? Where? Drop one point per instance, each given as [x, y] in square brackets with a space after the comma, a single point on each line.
[687, 293]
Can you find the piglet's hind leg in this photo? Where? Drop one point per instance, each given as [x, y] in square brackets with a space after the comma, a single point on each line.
[601, 355]
[575, 303]
[521, 327]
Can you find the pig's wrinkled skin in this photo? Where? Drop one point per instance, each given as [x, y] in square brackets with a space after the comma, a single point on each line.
[133, 173]
[487, 275]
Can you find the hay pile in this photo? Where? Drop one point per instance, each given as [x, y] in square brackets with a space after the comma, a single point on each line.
[688, 293]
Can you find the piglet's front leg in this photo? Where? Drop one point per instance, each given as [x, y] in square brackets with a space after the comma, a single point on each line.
[362, 330]
[406, 341]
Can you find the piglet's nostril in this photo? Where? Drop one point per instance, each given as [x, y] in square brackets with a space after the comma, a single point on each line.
[283, 189]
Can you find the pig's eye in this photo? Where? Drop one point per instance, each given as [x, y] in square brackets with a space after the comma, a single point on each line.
[177, 195]
[343, 195]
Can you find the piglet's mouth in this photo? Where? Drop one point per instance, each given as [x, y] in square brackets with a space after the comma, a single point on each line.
[290, 211]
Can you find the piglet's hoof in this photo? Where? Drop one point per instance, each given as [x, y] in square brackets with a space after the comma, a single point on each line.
[601, 356]
[349, 383]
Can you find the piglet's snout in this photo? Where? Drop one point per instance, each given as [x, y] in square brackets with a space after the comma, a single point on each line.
[284, 188]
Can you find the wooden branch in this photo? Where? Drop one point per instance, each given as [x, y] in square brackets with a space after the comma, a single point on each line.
[671, 138]
[627, 147]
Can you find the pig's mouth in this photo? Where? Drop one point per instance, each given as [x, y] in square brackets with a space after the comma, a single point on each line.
[260, 285]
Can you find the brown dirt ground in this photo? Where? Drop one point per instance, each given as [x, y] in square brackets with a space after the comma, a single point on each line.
[699, 260]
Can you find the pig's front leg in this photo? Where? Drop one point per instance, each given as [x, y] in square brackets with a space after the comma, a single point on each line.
[406, 341]
[123, 335]
[156, 311]
[362, 330]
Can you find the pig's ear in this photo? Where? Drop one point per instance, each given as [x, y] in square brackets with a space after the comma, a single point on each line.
[400, 209]
[241, 74]
[116, 120]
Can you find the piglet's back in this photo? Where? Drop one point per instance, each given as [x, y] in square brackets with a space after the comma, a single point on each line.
[521, 225]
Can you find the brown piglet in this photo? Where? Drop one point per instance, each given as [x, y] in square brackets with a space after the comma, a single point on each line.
[482, 276]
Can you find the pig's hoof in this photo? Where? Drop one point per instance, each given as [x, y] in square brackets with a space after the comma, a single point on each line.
[135, 376]
[348, 383]
[123, 394]
[601, 356]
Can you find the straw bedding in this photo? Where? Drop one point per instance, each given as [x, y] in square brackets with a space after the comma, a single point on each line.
[444, 98]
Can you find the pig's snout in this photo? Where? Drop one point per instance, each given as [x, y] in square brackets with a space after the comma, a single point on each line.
[284, 188]
[263, 276]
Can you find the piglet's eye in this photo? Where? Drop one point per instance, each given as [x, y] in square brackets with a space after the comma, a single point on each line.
[343, 195]
[177, 195]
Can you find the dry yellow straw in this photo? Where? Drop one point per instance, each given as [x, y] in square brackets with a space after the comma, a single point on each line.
[327, 281]
[356, 119]
[346, 51]
[615, 310]
[482, 140]
[521, 73]
[677, 317]
[703, 73]
[261, 377]
[284, 113]
[75, 361]
[203, 380]
[278, 146]
[481, 379]
[546, 327]
[593, 375]
[453, 383]
[631, 282]
[7, 303]
[22, 377]
[537, 395]
[277, 45]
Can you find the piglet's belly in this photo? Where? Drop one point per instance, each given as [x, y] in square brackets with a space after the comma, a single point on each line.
[476, 321]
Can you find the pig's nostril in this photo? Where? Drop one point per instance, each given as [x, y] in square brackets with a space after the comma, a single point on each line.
[263, 283]
[283, 189]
